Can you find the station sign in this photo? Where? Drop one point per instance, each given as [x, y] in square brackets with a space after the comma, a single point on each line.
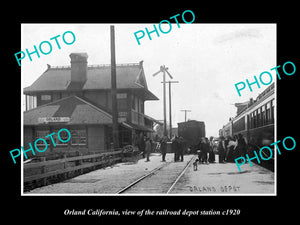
[53, 119]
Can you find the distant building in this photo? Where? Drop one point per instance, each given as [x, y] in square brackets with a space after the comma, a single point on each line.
[78, 97]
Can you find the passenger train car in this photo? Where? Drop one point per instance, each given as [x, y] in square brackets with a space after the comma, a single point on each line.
[255, 121]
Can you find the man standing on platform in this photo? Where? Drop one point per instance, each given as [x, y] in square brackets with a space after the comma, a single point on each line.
[211, 154]
[148, 147]
[175, 148]
[221, 149]
[141, 144]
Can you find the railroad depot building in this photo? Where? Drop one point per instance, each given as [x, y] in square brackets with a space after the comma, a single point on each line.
[78, 97]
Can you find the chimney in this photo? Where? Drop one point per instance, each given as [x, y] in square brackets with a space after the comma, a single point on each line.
[251, 101]
[141, 64]
[78, 70]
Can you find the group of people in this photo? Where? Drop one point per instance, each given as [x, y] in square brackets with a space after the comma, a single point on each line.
[205, 150]
[177, 147]
[230, 148]
[144, 144]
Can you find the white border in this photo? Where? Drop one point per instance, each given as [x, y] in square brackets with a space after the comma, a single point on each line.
[192, 195]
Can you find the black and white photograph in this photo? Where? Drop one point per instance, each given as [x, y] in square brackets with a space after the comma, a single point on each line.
[136, 114]
[177, 113]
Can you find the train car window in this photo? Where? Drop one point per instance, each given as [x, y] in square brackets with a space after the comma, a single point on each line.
[263, 113]
[258, 117]
[268, 119]
[255, 120]
[272, 110]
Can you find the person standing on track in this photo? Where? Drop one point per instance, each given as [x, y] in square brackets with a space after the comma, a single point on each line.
[163, 147]
[180, 149]
[175, 148]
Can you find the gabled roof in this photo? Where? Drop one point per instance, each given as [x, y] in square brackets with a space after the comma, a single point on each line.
[76, 109]
[129, 76]
[73, 110]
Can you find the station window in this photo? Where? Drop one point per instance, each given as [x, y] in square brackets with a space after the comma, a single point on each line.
[46, 97]
[121, 95]
[63, 136]
[78, 137]
[42, 134]
[133, 106]
[122, 104]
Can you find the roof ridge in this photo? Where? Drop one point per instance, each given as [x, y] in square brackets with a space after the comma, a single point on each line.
[95, 65]
[118, 64]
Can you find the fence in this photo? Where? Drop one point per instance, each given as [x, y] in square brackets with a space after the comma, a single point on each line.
[41, 171]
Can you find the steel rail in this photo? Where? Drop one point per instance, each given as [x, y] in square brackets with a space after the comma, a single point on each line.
[152, 172]
[142, 178]
[180, 175]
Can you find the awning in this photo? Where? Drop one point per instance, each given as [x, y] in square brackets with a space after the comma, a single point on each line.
[136, 127]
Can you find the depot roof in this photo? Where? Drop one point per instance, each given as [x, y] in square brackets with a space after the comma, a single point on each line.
[129, 76]
[73, 110]
[77, 110]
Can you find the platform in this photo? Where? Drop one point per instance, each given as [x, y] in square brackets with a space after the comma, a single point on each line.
[212, 179]
[225, 178]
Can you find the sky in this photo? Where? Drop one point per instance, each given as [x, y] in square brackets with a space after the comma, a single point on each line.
[207, 60]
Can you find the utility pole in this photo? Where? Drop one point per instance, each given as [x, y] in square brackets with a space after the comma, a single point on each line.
[165, 107]
[170, 106]
[185, 111]
[115, 128]
[164, 70]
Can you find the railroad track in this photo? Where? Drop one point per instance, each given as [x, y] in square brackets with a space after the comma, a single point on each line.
[160, 180]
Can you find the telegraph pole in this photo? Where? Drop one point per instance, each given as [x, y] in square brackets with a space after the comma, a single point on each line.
[164, 70]
[185, 111]
[115, 128]
[170, 105]
[165, 107]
